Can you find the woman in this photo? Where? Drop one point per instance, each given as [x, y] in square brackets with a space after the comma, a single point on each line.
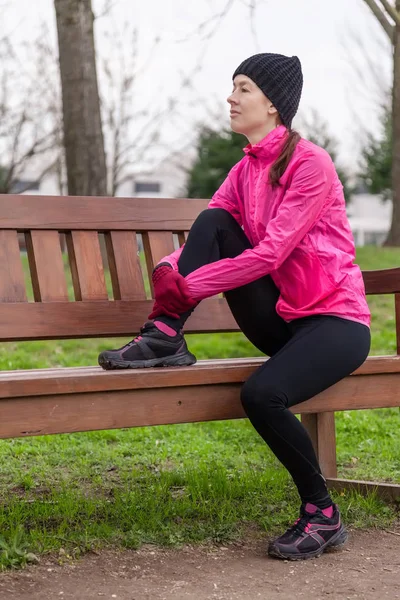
[275, 238]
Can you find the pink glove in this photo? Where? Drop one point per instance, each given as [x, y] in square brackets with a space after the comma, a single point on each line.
[171, 293]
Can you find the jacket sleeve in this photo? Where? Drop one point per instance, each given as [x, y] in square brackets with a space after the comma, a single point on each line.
[301, 207]
[225, 197]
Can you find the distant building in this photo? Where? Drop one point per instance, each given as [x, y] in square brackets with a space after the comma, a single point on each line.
[166, 181]
[369, 217]
[25, 186]
[47, 187]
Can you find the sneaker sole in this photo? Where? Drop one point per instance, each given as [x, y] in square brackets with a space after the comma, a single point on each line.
[178, 360]
[334, 544]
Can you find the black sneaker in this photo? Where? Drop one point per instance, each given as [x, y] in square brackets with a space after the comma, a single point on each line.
[152, 348]
[310, 536]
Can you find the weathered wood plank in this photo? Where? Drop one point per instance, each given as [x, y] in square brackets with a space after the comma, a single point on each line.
[383, 281]
[60, 320]
[124, 264]
[66, 213]
[184, 403]
[182, 237]
[157, 244]
[86, 266]
[387, 491]
[327, 444]
[213, 372]
[322, 431]
[397, 320]
[109, 410]
[12, 282]
[46, 266]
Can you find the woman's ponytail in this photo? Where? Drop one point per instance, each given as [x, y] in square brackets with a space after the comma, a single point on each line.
[281, 163]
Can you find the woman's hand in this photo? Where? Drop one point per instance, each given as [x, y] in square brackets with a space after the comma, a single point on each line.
[171, 292]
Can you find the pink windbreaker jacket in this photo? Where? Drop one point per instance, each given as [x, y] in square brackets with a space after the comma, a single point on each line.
[299, 232]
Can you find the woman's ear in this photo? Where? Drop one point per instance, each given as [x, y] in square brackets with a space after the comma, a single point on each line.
[272, 110]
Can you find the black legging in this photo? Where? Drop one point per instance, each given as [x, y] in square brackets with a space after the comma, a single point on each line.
[308, 355]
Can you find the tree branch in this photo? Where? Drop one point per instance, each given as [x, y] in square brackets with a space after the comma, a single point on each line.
[39, 147]
[390, 9]
[39, 178]
[380, 15]
[107, 7]
[17, 137]
[217, 18]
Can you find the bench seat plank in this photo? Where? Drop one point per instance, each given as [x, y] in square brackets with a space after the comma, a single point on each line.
[142, 406]
[62, 400]
[65, 380]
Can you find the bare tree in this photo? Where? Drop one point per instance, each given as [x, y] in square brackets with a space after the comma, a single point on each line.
[131, 134]
[28, 115]
[83, 135]
[135, 141]
[388, 15]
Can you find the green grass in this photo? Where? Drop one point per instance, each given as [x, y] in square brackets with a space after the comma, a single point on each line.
[175, 484]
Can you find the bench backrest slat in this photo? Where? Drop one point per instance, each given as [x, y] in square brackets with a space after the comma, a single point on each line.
[86, 265]
[157, 244]
[124, 264]
[66, 213]
[46, 266]
[12, 282]
[182, 237]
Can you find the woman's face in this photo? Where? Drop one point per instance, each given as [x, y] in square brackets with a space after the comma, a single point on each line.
[252, 114]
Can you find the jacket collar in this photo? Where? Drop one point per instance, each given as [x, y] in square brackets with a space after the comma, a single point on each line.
[269, 147]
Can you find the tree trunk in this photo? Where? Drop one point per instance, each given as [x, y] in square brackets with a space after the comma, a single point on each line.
[83, 135]
[393, 238]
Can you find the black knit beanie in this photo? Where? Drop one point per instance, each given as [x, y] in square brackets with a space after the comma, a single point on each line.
[279, 77]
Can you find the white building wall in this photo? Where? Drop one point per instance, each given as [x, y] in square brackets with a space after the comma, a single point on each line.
[369, 218]
[171, 180]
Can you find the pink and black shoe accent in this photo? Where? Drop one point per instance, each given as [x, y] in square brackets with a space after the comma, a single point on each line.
[152, 348]
[313, 533]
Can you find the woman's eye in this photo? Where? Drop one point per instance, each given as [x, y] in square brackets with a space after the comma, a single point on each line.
[244, 90]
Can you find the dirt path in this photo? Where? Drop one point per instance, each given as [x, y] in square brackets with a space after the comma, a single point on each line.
[368, 569]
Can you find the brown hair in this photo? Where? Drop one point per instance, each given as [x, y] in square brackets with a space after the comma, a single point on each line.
[281, 163]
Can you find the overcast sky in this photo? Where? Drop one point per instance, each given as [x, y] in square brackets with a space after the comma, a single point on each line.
[318, 31]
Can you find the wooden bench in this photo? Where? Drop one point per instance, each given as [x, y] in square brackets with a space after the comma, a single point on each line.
[60, 400]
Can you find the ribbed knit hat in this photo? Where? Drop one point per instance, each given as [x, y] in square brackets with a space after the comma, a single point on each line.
[279, 77]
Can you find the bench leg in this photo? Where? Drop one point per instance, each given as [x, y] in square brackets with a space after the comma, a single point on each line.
[321, 428]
